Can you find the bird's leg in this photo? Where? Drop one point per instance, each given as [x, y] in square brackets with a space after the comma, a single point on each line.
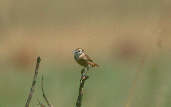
[88, 68]
[84, 72]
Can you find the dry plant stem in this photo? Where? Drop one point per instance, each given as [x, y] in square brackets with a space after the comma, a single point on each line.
[44, 95]
[33, 83]
[134, 84]
[84, 77]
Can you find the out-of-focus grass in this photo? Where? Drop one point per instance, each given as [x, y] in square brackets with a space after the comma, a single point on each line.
[107, 86]
[106, 29]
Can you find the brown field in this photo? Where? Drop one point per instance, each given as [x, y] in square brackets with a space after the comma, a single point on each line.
[129, 39]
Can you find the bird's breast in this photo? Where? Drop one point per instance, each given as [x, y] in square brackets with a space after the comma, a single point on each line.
[82, 62]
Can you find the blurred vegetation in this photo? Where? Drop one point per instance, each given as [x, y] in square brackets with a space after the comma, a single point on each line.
[117, 34]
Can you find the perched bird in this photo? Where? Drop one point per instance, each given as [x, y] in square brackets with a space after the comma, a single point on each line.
[83, 59]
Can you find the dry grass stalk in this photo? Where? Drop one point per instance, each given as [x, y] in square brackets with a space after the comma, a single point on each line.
[84, 77]
[44, 95]
[33, 83]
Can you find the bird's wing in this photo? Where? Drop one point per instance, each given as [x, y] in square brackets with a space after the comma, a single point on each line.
[88, 58]
[85, 57]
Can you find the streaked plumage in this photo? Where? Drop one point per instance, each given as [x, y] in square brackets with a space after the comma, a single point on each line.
[83, 59]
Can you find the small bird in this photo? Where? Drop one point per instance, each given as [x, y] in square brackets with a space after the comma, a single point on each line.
[83, 59]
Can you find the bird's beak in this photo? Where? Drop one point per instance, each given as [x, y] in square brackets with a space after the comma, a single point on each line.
[73, 51]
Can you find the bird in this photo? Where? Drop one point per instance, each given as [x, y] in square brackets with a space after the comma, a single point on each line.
[83, 59]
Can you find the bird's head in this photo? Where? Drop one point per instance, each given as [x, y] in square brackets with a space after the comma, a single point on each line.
[78, 51]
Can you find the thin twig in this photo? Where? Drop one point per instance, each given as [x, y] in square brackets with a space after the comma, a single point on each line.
[134, 84]
[33, 83]
[44, 95]
[84, 77]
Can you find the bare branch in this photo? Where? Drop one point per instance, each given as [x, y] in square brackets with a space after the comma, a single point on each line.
[33, 83]
[44, 95]
[84, 77]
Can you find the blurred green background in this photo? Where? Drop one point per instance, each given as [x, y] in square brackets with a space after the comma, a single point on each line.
[129, 39]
